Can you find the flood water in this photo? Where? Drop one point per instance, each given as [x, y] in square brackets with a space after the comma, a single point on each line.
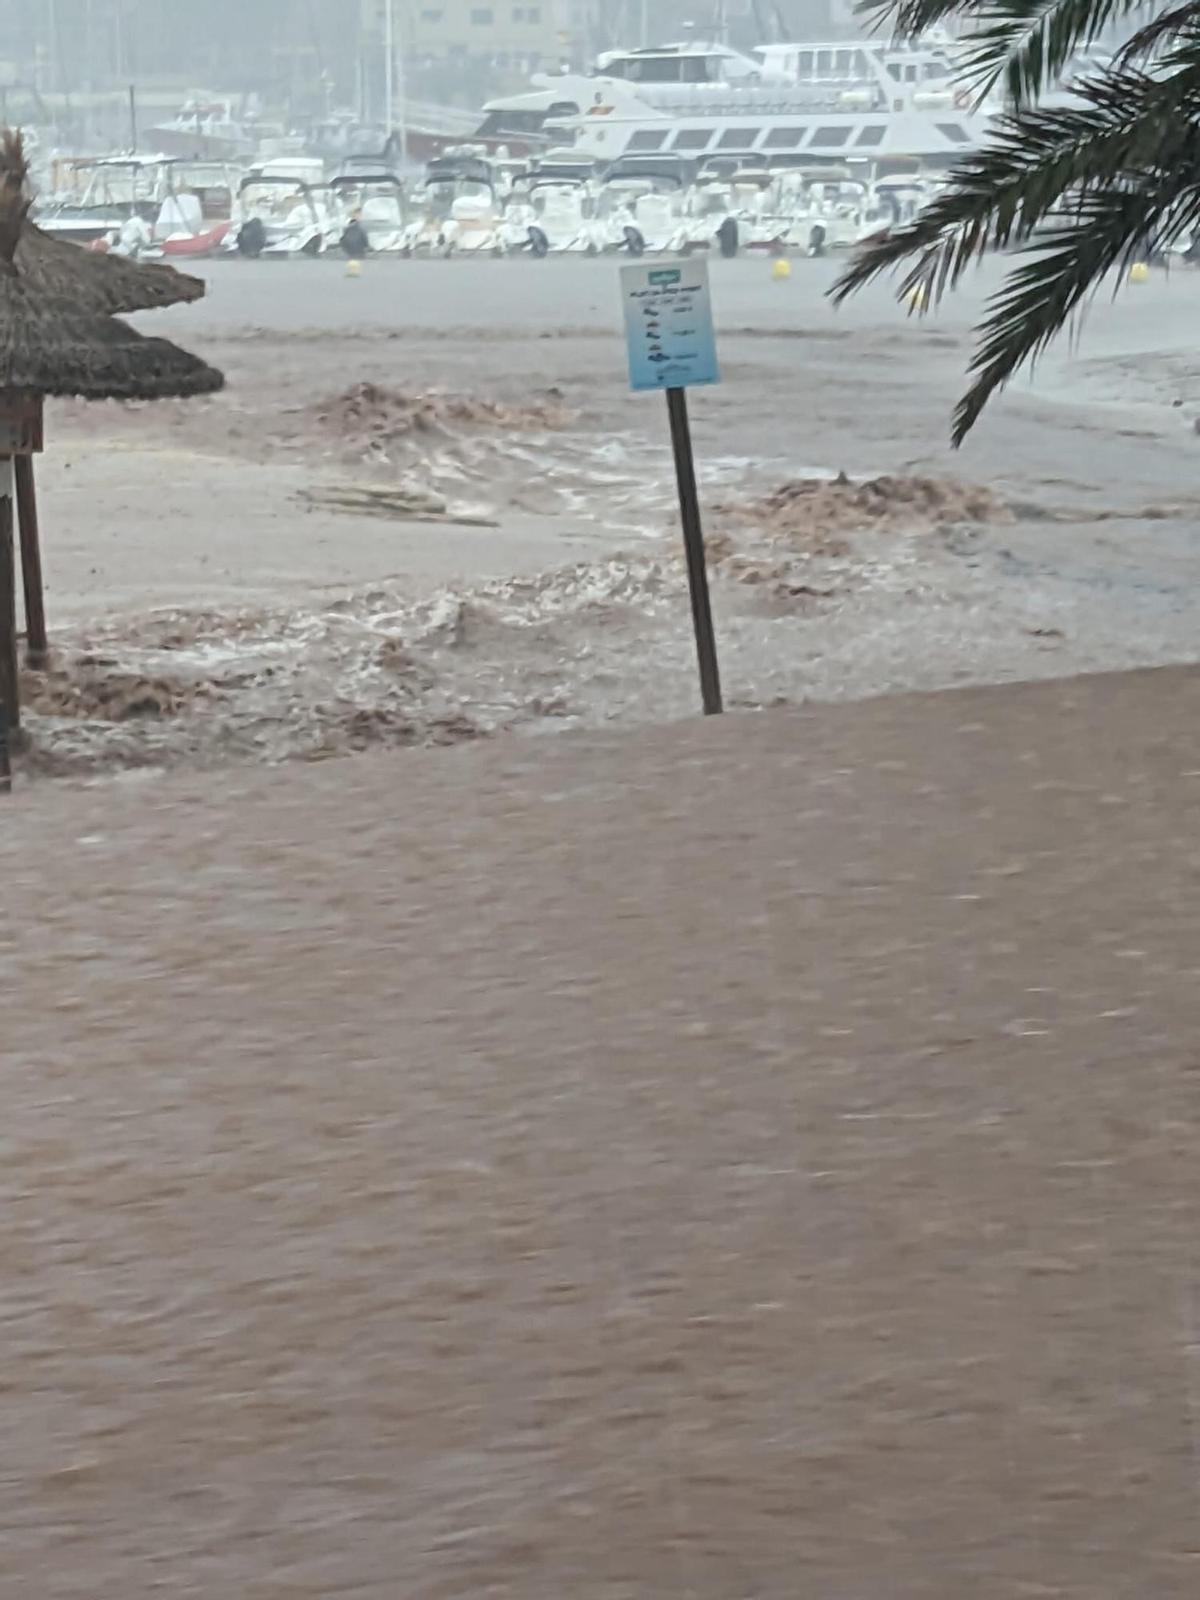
[473, 1127]
[427, 509]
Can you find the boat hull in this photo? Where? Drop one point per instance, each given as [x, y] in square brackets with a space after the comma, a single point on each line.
[194, 247]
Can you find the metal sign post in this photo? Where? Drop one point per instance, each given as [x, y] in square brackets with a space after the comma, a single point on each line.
[10, 699]
[20, 439]
[672, 345]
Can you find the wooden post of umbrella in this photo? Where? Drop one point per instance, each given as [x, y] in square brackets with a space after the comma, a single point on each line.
[37, 645]
[20, 439]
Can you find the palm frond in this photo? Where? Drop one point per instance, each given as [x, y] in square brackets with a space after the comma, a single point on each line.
[1111, 228]
[907, 19]
[1026, 44]
[1000, 194]
[1168, 29]
[1104, 173]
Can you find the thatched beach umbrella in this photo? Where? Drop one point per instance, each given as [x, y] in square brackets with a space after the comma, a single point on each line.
[107, 285]
[51, 345]
[47, 347]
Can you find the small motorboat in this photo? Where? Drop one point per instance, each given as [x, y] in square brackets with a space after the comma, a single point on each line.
[372, 195]
[279, 216]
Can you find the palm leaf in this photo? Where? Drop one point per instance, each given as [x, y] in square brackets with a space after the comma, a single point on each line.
[908, 19]
[1111, 228]
[1024, 43]
[1002, 193]
[1169, 28]
[1028, 43]
[1108, 173]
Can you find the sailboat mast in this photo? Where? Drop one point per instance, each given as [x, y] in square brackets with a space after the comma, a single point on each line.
[389, 65]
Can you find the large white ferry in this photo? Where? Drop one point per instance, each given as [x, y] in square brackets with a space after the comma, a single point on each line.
[842, 101]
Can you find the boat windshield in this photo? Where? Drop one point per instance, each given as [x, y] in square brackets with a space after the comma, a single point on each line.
[713, 202]
[273, 199]
[120, 185]
[665, 69]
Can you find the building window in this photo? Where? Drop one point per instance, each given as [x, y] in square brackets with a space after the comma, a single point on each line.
[831, 136]
[871, 135]
[483, 17]
[527, 14]
[432, 16]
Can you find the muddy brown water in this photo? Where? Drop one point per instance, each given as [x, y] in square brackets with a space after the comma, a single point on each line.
[212, 605]
[750, 1159]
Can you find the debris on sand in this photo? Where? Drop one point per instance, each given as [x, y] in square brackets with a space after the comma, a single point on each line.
[821, 510]
[429, 446]
[198, 688]
[95, 689]
[407, 503]
[804, 529]
[369, 416]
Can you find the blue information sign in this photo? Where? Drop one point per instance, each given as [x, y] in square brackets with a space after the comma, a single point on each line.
[669, 325]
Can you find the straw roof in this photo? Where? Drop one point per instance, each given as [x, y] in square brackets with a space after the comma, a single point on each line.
[105, 284]
[50, 344]
[49, 347]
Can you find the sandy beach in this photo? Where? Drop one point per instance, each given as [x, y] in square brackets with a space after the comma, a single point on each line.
[213, 599]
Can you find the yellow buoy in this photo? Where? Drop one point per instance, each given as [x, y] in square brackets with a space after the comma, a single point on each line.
[781, 269]
[1139, 272]
[354, 269]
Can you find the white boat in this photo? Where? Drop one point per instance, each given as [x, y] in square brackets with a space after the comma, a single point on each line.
[559, 217]
[99, 195]
[372, 195]
[279, 216]
[739, 210]
[457, 210]
[660, 221]
[869, 101]
[206, 129]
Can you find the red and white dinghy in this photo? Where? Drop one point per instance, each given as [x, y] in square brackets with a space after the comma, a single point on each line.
[194, 246]
[182, 231]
